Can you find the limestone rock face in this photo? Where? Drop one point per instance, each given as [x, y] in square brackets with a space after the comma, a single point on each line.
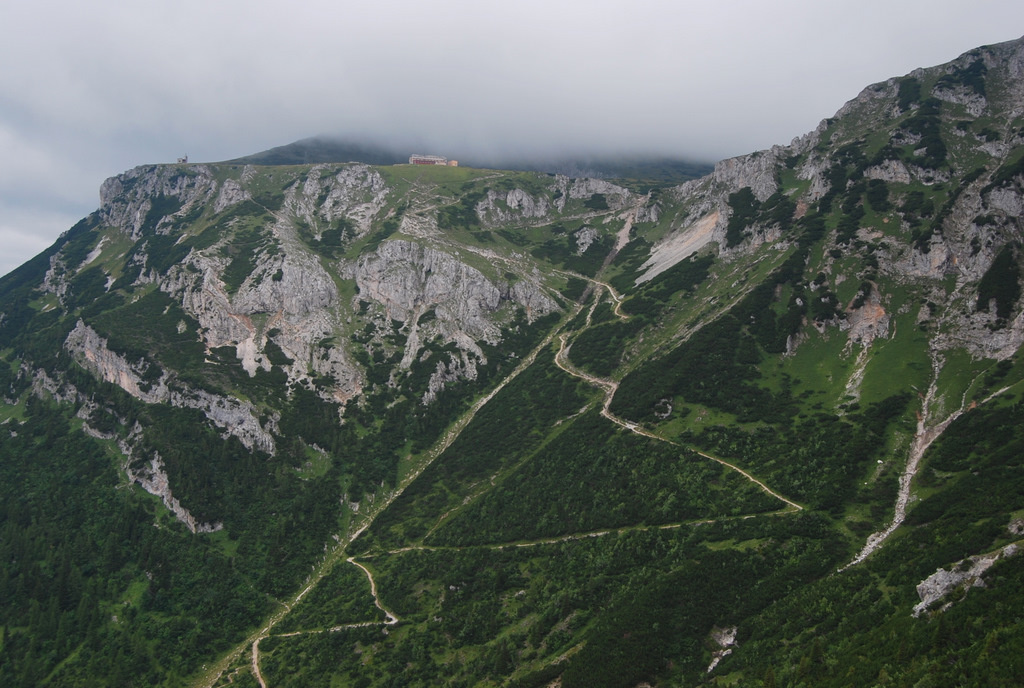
[868, 322]
[408, 278]
[153, 479]
[1007, 200]
[584, 238]
[706, 208]
[125, 200]
[966, 573]
[516, 205]
[356, 193]
[616, 196]
[648, 213]
[231, 193]
[455, 368]
[756, 170]
[234, 416]
[288, 298]
[723, 640]
[889, 171]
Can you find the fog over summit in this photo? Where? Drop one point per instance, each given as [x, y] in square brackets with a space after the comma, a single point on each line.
[101, 88]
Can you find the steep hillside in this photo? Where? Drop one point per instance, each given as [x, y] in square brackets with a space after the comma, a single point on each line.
[338, 424]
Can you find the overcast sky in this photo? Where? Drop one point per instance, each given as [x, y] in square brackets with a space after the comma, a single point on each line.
[90, 89]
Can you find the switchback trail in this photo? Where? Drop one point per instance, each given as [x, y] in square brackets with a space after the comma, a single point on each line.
[380, 502]
[390, 617]
[210, 676]
[610, 387]
[556, 539]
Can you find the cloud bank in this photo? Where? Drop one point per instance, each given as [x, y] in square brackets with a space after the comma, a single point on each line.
[92, 89]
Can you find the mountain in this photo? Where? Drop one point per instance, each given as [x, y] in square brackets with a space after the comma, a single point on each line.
[342, 424]
[324, 149]
[639, 173]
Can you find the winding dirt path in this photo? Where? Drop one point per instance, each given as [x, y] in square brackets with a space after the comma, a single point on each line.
[377, 506]
[320, 571]
[610, 387]
[256, 663]
[390, 617]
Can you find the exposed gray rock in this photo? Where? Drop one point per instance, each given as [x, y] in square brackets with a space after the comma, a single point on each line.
[648, 213]
[960, 94]
[407, 279]
[868, 322]
[681, 244]
[756, 170]
[288, 292]
[525, 204]
[724, 639]
[616, 196]
[125, 200]
[516, 205]
[452, 370]
[892, 171]
[584, 238]
[815, 169]
[231, 193]
[235, 417]
[356, 192]
[153, 479]
[405, 276]
[1008, 200]
[966, 574]
[528, 294]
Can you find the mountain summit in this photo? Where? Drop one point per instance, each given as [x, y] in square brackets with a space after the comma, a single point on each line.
[346, 424]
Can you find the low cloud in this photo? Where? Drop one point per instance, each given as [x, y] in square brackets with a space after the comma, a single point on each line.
[96, 88]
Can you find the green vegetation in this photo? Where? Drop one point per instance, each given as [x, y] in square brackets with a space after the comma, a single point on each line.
[909, 93]
[744, 212]
[562, 250]
[1001, 283]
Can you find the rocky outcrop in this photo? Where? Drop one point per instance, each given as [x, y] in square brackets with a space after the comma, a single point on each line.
[356, 192]
[153, 479]
[958, 94]
[586, 187]
[126, 200]
[757, 171]
[867, 322]
[649, 212]
[289, 298]
[584, 237]
[963, 575]
[235, 417]
[583, 188]
[407, 277]
[892, 171]
[231, 193]
[724, 640]
[452, 370]
[498, 208]
[706, 210]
